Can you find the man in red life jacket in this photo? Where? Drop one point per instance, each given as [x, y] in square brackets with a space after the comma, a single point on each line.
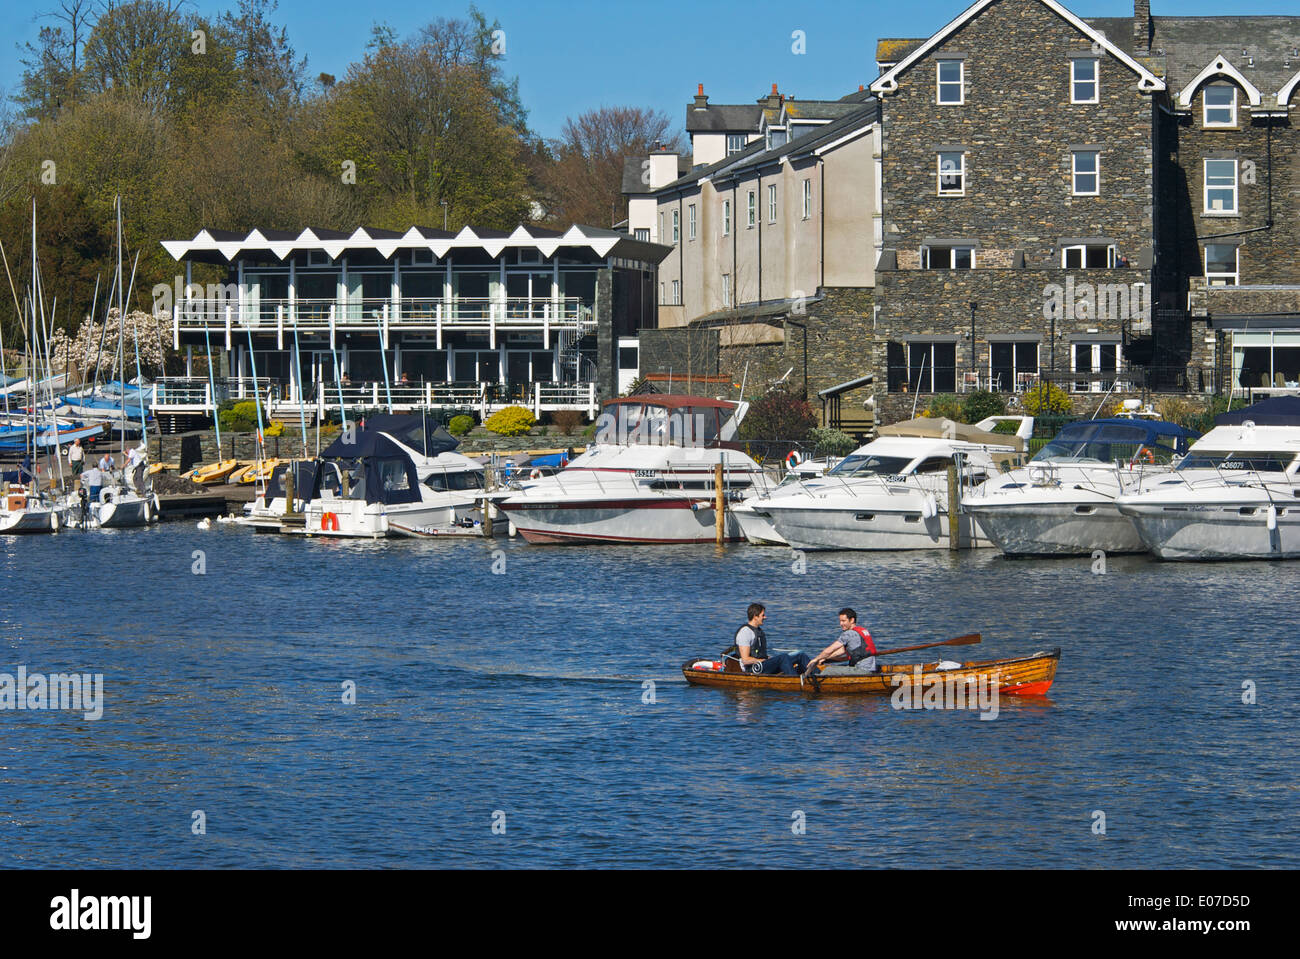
[853, 649]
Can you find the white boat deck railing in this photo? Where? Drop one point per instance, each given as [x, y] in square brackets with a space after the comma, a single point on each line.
[492, 315]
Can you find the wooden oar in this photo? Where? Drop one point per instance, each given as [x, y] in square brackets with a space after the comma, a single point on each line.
[968, 640]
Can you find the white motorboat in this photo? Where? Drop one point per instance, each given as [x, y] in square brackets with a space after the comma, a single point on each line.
[1236, 495]
[25, 511]
[1063, 502]
[892, 494]
[648, 478]
[755, 522]
[400, 477]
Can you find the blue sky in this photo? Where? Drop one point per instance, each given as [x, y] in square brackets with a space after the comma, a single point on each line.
[575, 55]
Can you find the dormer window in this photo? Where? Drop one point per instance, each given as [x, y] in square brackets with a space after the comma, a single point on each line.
[1084, 86]
[952, 81]
[735, 143]
[947, 258]
[1088, 256]
[1220, 105]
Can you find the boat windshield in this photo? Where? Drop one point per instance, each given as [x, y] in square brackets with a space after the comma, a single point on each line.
[1252, 461]
[1103, 443]
[866, 464]
[634, 424]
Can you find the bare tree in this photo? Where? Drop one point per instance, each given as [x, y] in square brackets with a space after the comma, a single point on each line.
[584, 183]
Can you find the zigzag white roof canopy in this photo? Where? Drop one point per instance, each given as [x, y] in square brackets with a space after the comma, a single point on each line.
[386, 242]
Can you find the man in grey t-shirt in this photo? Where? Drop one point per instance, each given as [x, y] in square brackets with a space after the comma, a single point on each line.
[751, 649]
[853, 647]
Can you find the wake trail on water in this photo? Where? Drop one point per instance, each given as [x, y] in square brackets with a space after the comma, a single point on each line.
[515, 674]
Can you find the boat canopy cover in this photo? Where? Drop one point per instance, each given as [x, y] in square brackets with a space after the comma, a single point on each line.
[1118, 437]
[377, 439]
[933, 428]
[419, 433]
[304, 472]
[1279, 411]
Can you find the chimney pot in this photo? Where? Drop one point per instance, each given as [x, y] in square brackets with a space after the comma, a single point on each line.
[700, 91]
[774, 89]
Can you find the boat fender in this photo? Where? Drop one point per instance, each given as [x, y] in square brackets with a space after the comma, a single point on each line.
[793, 460]
[929, 507]
[536, 474]
[1272, 518]
[54, 521]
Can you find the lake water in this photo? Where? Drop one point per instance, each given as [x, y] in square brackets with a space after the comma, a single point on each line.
[501, 684]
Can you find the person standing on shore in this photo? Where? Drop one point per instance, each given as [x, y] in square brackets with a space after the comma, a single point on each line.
[76, 457]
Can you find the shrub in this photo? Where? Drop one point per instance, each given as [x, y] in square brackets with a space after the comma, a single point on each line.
[1044, 399]
[1178, 410]
[945, 406]
[982, 404]
[1204, 422]
[568, 421]
[777, 416]
[275, 429]
[511, 421]
[240, 416]
[829, 442]
[460, 425]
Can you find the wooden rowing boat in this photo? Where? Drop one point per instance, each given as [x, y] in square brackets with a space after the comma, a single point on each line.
[1024, 676]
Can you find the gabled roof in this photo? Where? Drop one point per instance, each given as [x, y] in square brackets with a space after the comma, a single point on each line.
[1284, 95]
[887, 82]
[724, 118]
[756, 154]
[1260, 47]
[633, 184]
[1221, 66]
[230, 244]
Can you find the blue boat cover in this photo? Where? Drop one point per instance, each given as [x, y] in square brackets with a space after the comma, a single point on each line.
[1279, 411]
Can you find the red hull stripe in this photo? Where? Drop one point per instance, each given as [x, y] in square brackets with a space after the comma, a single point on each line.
[604, 504]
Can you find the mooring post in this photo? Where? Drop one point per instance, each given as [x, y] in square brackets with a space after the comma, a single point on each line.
[720, 506]
[954, 509]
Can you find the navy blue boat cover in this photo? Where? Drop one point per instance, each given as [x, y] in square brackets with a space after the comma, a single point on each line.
[1279, 411]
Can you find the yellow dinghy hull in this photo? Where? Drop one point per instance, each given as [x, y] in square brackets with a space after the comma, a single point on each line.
[213, 472]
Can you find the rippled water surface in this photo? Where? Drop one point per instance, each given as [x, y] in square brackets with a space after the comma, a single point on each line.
[518, 697]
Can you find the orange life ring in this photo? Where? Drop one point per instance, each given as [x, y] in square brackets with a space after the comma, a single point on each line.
[328, 521]
[1146, 454]
[536, 474]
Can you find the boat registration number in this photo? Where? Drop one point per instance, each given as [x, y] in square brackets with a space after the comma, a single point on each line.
[646, 474]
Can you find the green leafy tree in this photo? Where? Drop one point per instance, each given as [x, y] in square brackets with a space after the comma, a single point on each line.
[778, 416]
[981, 404]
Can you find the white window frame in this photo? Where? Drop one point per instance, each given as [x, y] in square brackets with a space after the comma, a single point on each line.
[752, 210]
[726, 289]
[677, 292]
[961, 174]
[692, 222]
[677, 227]
[1098, 380]
[940, 83]
[1112, 256]
[928, 254]
[807, 198]
[1236, 196]
[726, 218]
[736, 143]
[1234, 276]
[1075, 173]
[1076, 82]
[642, 234]
[1206, 108]
[771, 203]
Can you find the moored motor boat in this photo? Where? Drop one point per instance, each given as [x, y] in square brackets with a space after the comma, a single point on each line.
[892, 494]
[24, 511]
[648, 478]
[1021, 676]
[1236, 495]
[1063, 501]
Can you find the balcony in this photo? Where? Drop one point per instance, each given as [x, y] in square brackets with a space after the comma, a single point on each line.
[490, 315]
[196, 396]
